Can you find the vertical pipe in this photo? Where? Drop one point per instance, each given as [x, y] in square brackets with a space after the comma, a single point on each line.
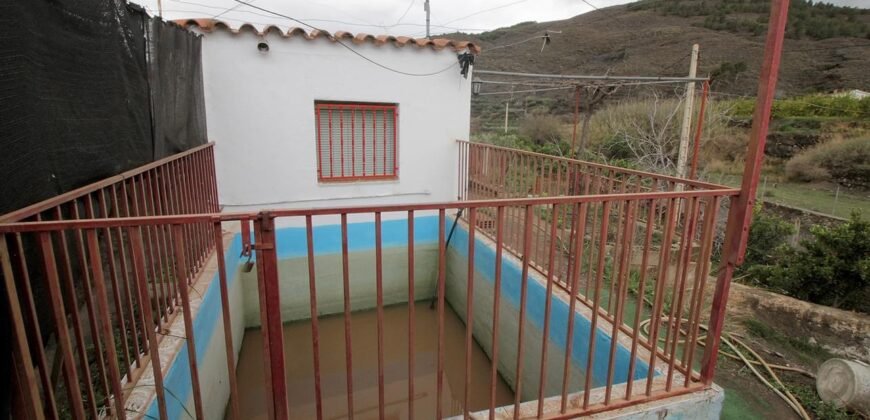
[29, 312]
[181, 277]
[411, 315]
[641, 297]
[227, 320]
[442, 268]
[661, 281]
[622, 281]
[379, 279]
[679, 291]
[701, 281]
[105, 322]
[348, 354]
[740, 217]
[89, 300]
[125, 274]
[75, 318]
[23, 365]
[546, 333]
[696, 147]
[580, 228]
[499, 239]
[263, 300]
[315, 330]
[593, 329]
[469, 307]
[268, 257]
[71, 378]
[524, 281]
[113, 276]
[139, 275]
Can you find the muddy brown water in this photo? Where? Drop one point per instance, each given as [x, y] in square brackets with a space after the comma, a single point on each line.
[300, 372]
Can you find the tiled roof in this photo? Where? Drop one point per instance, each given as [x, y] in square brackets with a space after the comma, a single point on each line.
[210, 25]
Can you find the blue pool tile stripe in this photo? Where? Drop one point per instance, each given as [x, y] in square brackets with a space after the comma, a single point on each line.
[484, 264]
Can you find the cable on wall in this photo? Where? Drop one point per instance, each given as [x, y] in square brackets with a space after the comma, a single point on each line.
[349, 48]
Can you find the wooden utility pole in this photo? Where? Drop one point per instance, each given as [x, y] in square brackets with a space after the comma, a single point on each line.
[426, 8]
[507, 107]
[688, 112]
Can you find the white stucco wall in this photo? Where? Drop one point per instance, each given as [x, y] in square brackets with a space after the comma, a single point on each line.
[260, 113]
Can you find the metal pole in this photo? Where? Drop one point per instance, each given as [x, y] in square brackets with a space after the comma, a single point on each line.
[426, 8]
[688, 113]
[740, 217]
[836, 198]
[592, 77]
[507, 106]
[576, 116]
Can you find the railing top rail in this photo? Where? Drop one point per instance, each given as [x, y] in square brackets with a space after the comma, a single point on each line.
[53, 225]
[41, 206]
[699, 184]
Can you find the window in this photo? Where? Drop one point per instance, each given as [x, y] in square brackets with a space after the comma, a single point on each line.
[356, 141]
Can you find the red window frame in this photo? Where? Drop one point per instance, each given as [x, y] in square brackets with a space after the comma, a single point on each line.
[364, 110]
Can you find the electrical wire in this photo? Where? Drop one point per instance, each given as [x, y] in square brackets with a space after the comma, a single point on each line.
[349, 48]
[208, 6]
[485, 10]
[570, 86]
[534, 38]
[406, 13]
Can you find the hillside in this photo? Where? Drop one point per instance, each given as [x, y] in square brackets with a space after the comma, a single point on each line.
[653, 37]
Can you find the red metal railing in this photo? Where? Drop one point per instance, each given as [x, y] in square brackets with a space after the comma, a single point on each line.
[99, 326]
[631, 237]
[605, 271]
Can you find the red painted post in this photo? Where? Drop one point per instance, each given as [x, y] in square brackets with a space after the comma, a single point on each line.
[312, 299]
[740, 217]
[270, 302]
[227, 320]
[696, 148]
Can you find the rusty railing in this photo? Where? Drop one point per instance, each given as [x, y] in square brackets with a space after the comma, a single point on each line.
[614, 262]
[91, 300]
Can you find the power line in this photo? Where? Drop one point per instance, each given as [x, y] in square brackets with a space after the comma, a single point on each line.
[339, 41]
[372, 25]
[571, 86]
[485, 10]
[406, 12]
[592, 77]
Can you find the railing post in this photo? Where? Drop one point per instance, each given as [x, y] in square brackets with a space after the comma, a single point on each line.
[23, 364]
[181, 279]
[740, 213]
[270, 315]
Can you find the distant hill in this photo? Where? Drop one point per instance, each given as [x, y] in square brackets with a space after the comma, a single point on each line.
[827, 47]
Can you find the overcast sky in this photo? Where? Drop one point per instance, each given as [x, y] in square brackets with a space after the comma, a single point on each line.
[396, 17]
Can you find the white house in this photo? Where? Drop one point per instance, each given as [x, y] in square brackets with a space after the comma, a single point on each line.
[309, 119]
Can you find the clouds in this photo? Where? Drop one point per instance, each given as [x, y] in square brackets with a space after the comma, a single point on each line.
[383, 16]
[389, 16]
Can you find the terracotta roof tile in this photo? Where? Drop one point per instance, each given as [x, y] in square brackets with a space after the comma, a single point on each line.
[210, 25]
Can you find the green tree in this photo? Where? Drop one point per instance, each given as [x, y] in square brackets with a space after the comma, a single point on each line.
[831, 268]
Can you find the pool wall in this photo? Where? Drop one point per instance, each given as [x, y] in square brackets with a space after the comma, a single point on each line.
[293, 277]
[293, 268]
[210, 348]
[484, 264]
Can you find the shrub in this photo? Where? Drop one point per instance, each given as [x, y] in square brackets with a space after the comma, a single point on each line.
[767, 235]
[846, 162]
[834, 106]
[831, 268]
[541, 128]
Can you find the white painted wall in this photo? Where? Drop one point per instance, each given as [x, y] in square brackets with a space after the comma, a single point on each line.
[260, 113]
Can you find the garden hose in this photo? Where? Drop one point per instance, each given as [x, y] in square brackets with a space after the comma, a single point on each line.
[729, 339]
